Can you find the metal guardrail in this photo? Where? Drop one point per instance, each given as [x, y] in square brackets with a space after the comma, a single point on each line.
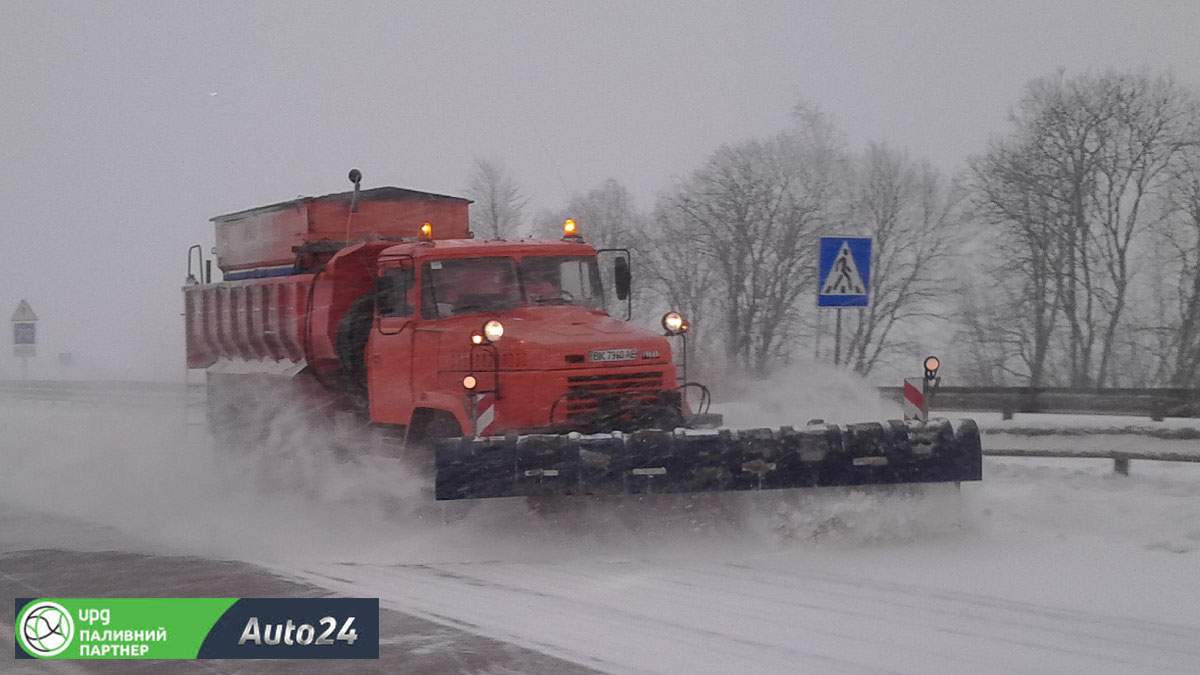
[1153, 403]
[96, 391]
[1120, 458]
[1179, 402]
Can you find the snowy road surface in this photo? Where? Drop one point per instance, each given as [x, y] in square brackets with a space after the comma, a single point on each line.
[1058, 565]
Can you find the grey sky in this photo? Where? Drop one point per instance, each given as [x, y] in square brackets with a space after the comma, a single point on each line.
[125, 126]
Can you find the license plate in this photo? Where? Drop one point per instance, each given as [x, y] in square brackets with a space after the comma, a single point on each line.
[614, 355]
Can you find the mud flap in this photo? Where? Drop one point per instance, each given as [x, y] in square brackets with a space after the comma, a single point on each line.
[656, 461]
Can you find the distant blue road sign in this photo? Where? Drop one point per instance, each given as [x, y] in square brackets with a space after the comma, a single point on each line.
[844, 272]
[25, 333]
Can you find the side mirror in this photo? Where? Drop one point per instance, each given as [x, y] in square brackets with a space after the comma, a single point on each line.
[622, 276]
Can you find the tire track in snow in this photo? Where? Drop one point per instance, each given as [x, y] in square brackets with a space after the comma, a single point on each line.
[626, 640]
[598, 613]
[939, 614]
[905, 631]
[1150, 627]
[690, 599]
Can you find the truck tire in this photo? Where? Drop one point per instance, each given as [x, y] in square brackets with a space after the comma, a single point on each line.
[427, 425]
[353, 331]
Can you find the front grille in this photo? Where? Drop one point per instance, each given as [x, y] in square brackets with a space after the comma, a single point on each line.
[588, 395]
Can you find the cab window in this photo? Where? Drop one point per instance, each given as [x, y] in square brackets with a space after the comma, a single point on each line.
[562, 280]
[393, 292]
[467, 286]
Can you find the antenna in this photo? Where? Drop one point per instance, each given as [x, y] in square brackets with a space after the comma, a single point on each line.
[356, 178]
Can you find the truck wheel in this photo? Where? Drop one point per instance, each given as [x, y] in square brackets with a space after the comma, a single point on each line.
[353, 331]
[427, 426]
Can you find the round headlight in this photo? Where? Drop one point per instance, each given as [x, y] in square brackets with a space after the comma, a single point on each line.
[476, 338]
[673, 323]
[493, 330]
[469, 382]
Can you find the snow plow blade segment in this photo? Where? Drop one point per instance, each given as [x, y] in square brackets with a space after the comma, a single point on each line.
[686, 460]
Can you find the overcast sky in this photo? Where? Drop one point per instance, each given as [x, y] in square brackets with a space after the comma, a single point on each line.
[125, 126]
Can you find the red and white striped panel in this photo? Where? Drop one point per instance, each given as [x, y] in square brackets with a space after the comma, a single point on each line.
[915, 407]
[485, 415]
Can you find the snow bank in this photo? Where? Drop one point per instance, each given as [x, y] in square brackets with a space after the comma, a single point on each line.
[805, 391]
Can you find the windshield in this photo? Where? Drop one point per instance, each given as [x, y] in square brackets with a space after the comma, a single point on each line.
[562, 280]
[468, 285]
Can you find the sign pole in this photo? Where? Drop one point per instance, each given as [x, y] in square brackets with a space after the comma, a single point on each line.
[843, 280]
[837, 339]
[24, 322]
[817, 341]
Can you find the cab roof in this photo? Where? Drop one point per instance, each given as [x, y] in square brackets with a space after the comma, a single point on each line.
[468, 248]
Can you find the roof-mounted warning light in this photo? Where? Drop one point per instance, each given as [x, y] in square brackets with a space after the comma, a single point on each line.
[570, 229]
[426, 232]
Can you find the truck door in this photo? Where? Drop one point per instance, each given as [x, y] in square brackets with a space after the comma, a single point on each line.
[390, 347]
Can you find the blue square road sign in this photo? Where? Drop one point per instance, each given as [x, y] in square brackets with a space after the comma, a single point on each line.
[844, 272]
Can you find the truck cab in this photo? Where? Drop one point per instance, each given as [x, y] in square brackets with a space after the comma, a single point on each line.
[492, 337]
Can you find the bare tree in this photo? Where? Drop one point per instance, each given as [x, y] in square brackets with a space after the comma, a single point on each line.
[752, 212]
[499, 203]
[1024, 277]
[1182, 356]
[606, 215]
[1143, 137]
[910, 213]
[675, 279]
[1072, 189]
[608, 218]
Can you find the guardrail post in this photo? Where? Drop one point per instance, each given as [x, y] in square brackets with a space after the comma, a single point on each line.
[1121, 465]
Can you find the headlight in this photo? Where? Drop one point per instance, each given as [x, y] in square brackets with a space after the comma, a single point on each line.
[493, 330]
[469, 383]
[674, 323]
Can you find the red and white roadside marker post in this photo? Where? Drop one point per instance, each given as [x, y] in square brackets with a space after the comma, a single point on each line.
[919, 390]
[915, 407]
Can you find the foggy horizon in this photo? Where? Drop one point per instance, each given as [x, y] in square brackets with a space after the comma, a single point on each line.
[128, 126]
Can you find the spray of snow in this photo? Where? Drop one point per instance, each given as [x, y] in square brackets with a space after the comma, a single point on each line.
[147, 472]
[806, 390]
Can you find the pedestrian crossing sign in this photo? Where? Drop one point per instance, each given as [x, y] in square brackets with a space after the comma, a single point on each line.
[844, 272]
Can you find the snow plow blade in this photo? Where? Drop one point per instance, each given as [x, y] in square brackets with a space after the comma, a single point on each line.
[685, 460]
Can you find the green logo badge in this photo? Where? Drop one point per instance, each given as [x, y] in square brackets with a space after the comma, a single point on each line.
[45, 629]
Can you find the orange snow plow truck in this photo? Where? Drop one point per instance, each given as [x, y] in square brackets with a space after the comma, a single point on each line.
[498, 360]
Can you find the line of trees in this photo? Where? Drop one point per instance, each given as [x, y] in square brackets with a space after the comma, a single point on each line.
[1068, 253]
[1086, 203]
